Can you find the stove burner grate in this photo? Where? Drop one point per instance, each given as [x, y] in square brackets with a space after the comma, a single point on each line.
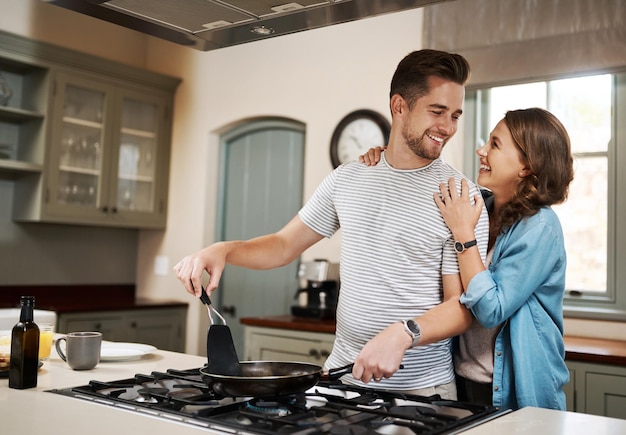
[327, 409]
[152, 394]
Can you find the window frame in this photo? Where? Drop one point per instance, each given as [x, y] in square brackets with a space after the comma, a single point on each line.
[610, 305]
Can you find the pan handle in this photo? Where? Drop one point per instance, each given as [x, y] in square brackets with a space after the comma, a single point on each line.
[334, 374]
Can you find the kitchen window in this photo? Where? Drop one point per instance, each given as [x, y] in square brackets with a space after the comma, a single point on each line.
[589, 107]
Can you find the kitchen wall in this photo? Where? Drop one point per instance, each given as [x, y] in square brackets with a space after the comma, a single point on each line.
[41, 254]
[314, 77]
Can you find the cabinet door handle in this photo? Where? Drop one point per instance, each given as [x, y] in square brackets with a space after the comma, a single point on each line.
[133, 325]
[105, 209]
[314, 353]
[324, 353]
[98, 326]
[229, 309]
[114, 210]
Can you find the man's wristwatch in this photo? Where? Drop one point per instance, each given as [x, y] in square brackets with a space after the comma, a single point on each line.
[462, 247]
[413, 329]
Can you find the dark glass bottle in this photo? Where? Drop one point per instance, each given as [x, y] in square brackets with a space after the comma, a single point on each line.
[24, 348]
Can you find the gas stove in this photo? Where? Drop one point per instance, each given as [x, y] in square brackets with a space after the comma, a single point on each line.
[327, 408]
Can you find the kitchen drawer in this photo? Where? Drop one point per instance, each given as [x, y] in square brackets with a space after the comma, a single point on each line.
[273, 344]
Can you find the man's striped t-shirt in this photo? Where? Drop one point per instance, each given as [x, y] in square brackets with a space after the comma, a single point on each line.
[395, 246]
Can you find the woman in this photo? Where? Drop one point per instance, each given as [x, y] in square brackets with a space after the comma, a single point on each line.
[516, 355]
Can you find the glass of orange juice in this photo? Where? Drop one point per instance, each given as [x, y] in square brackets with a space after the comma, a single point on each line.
[46, 334]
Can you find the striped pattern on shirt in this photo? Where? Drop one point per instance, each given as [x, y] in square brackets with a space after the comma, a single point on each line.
[395, 246]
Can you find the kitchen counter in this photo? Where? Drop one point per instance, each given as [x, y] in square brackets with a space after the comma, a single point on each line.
[33, 411]
[538, 421]
[595, 350]
[576, 348]
[64, 299]
[292, 323]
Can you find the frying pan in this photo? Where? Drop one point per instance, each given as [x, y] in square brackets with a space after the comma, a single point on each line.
[271, 378]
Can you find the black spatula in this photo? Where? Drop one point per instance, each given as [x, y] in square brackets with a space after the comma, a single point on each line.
[220, 349]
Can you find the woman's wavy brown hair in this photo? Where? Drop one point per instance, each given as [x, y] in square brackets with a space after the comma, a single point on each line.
[544, 146]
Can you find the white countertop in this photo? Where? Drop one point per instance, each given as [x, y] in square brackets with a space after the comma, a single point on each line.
[32, 411]
[538, 421]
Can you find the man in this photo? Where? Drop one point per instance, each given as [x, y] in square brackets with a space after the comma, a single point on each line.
[400, 285]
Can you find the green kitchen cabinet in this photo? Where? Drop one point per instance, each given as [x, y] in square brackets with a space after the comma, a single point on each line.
[109, 154]
[598, 389]
[85, 140]
[164, 328]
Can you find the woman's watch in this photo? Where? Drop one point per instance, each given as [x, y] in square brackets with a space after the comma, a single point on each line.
[413, 329]
[462, 247]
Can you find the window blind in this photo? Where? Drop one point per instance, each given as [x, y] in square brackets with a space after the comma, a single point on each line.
[507, 41]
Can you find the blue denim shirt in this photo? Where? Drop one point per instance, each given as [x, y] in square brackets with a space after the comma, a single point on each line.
[522, 290]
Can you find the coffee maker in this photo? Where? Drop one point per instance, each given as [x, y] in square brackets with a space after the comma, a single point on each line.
[319, 290]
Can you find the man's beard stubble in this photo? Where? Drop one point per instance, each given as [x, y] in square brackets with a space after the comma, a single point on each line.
[416, 144]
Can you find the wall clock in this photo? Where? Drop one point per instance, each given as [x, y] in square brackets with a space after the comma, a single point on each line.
[357, 132]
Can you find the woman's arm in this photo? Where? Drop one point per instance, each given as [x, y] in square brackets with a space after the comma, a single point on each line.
[461, 216]
[529, 263]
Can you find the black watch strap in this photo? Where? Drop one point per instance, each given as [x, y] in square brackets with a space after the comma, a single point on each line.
[462, 247]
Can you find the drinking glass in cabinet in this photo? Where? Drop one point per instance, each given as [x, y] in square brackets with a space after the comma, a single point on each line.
[77, 189]
[137, 156]
[135, 195]
[80, 148]
[129, 159]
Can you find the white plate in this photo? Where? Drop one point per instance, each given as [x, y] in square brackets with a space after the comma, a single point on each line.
[112, 351]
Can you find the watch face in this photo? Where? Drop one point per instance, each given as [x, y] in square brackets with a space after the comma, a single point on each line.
[413, 326]
[356, 133]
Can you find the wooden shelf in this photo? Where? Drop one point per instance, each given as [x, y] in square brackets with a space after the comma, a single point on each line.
[18, 116]
[13, 169]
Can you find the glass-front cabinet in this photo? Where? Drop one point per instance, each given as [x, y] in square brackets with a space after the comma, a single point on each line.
[83, 140]
[80, 134]
[108, 161]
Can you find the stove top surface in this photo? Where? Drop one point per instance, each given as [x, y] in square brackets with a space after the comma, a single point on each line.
[327, 408]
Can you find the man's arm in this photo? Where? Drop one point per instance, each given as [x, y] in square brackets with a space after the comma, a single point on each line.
[382, 355]
[263, 252]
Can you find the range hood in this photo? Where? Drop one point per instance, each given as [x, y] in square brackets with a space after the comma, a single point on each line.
[212, 24]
